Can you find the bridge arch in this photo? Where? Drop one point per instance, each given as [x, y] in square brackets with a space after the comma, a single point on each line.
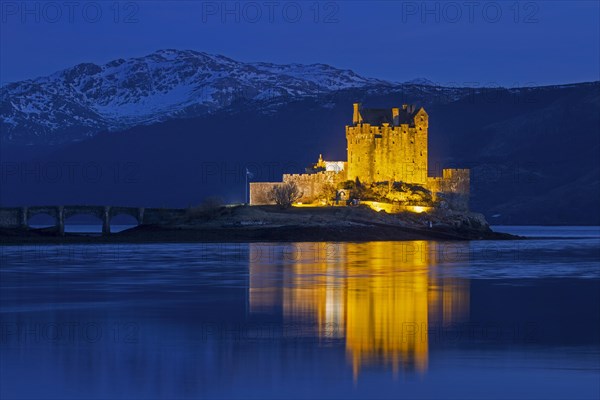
[29, 214]
[123, 221]
[99, 212]
[75, 222]
[41, 220]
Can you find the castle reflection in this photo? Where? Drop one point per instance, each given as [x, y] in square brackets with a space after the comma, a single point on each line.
[382, 298]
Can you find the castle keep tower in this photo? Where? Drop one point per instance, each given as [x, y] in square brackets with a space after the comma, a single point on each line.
[388, 145]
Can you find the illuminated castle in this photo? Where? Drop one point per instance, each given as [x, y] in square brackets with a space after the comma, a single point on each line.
[384, 145]
[388, 145]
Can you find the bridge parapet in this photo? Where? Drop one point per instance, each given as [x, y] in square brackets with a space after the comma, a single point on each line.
[12, 217]
[135, 212]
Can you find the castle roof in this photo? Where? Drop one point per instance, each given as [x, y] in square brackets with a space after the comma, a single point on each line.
[378, 116]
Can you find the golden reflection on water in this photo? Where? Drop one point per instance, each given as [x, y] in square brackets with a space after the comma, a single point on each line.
[382, 298]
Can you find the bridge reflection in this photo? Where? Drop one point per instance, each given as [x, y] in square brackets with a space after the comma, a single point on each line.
[381, 298]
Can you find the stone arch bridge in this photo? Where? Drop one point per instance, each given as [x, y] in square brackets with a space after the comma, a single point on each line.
[18, 217]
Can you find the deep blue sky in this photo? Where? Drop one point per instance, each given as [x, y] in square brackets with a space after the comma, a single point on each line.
[528, 43]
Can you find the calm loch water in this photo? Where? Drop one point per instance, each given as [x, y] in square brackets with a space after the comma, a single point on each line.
[328, 320]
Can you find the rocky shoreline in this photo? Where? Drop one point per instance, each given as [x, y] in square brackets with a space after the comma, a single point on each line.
[271, 224]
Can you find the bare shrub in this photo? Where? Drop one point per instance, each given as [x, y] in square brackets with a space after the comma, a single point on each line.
[327, 194]
[285, 195]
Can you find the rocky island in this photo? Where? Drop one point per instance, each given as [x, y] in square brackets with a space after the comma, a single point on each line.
[273, 224]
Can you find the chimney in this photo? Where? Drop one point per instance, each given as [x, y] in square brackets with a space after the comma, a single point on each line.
[395, 116]
[356, 118]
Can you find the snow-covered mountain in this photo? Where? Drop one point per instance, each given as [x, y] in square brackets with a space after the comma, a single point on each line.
[87, 98]
[421, 81]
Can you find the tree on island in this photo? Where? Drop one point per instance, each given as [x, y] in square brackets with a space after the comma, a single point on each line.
[327, 194]
[285, 195]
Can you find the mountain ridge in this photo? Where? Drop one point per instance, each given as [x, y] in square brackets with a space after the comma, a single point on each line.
[77, 103]
[117, 95]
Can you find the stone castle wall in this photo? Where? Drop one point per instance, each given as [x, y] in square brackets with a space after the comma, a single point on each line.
[311, 185]
[452, 187]
[456, 180]
[260, 192]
